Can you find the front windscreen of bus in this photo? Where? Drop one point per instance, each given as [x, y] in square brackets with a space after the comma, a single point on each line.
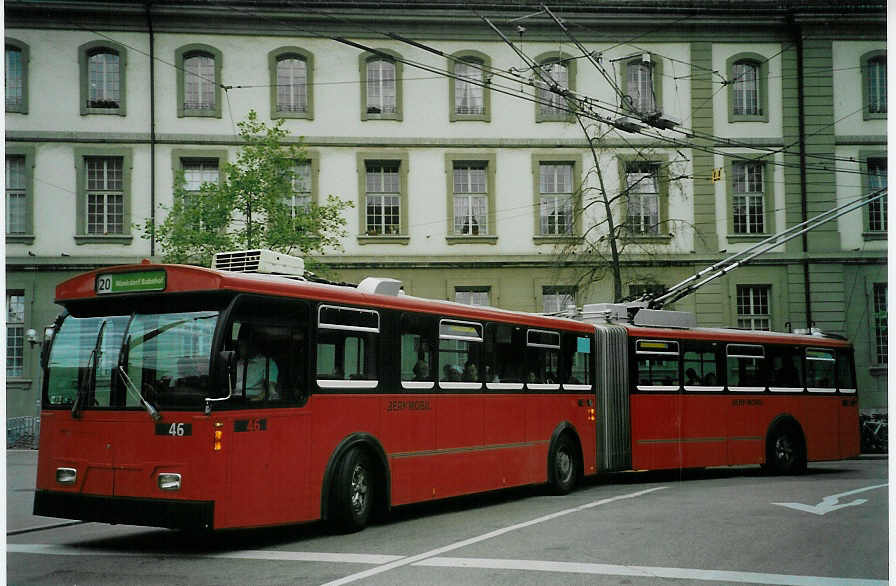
[166, 357]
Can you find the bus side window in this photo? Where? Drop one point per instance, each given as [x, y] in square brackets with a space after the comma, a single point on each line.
[347, 349]
[504, 357]
[746, 367]
[820, 368]
[700, 367]
[576, 360]
[846, 377]
[543, 357]
[657, 364]
[785, 368]
[460, 354]
[417, 351]
[269, 337]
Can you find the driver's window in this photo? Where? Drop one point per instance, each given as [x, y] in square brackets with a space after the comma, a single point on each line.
[268, 339]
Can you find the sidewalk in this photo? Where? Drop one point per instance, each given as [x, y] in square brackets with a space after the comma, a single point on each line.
[21, 473]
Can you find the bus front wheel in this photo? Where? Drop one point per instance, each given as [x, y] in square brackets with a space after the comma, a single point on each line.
[564, 465]
[353, 492]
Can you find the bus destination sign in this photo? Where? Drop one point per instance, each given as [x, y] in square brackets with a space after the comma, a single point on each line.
[130, 282]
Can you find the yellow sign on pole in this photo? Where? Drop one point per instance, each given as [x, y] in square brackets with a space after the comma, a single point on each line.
[716, 174]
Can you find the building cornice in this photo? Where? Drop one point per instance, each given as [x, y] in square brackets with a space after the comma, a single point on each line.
[596, 20]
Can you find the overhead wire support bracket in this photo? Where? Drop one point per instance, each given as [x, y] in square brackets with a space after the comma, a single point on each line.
[741, 258]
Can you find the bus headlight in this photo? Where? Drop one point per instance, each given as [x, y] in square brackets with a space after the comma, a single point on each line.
[66, 475]
[169, 481]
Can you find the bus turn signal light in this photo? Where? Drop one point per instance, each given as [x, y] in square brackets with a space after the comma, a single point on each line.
[219, 437]
[591, 415]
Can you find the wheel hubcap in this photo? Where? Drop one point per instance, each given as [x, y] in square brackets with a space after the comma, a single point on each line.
[359, 489]
[564, 466]
[784, 449]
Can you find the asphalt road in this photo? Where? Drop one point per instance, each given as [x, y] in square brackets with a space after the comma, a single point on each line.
[717, 526]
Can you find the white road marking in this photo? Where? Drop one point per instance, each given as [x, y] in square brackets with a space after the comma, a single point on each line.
[252, 554]
[459, 544]
[645, 572]
[477, 563]
[831, 503]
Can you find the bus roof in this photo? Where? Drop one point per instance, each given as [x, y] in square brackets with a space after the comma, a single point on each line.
[734, 335]
[159, 279]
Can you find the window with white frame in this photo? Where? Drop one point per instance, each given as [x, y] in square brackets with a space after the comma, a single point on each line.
[103, 79]
[383, 196]
[199, 171]
[196, 172]
[643, 198]
[472, 295]
[468, 87]
[199, 82]
[292, 78]
[16, 195]
[105, 195]
[876, 84]
[557, 298]
[300, 201]
[552, 104]
[470, 198]
[753, 312]
[748, 198]
[877, 179]
[640, 96]
[555, 181]
[746, 89]
[15, 78]
[15, 333]
[881, 343]
[381, 87]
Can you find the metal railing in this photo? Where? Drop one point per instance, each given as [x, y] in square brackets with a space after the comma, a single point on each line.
[22, 432]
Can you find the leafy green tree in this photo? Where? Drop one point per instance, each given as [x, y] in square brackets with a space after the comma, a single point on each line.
[251, 206]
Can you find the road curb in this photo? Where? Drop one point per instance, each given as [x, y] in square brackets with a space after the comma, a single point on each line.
[44, 527]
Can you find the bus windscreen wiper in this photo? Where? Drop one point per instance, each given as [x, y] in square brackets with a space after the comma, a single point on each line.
[87, 379]
[135, 392]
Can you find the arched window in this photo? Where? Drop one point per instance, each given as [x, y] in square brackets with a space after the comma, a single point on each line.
[103, 79]
[876, 84]
[639, 87]
[381, 87]
[101, 67]
[292, 78]
[552, 103]
[468, 90]
[746, 89]
[16, 77]
[199, 82]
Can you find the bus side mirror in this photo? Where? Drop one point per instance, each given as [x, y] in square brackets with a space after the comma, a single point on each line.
[226, 364]
[223, 368]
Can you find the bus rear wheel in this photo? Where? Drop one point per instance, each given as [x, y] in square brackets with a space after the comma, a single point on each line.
[785, 451]
[564, 466]
[353, 492]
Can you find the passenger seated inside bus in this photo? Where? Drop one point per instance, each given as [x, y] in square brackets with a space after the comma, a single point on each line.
[693, 379]
[471, 372]
[451, 373]
[256, 371]
[421, 371]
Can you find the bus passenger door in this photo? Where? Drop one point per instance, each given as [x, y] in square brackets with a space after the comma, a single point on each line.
[849, 410]
[821, 405]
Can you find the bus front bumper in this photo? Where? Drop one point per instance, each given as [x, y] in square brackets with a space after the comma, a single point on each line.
[173, 514]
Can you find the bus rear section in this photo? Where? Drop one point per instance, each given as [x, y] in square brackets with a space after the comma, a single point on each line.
[691, 397]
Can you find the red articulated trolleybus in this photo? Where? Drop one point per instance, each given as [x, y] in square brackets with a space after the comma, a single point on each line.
[183, 397]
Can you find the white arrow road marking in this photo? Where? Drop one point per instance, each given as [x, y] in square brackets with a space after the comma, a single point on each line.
[831, 503]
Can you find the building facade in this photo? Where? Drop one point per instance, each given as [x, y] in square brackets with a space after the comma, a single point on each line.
[707, 127]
